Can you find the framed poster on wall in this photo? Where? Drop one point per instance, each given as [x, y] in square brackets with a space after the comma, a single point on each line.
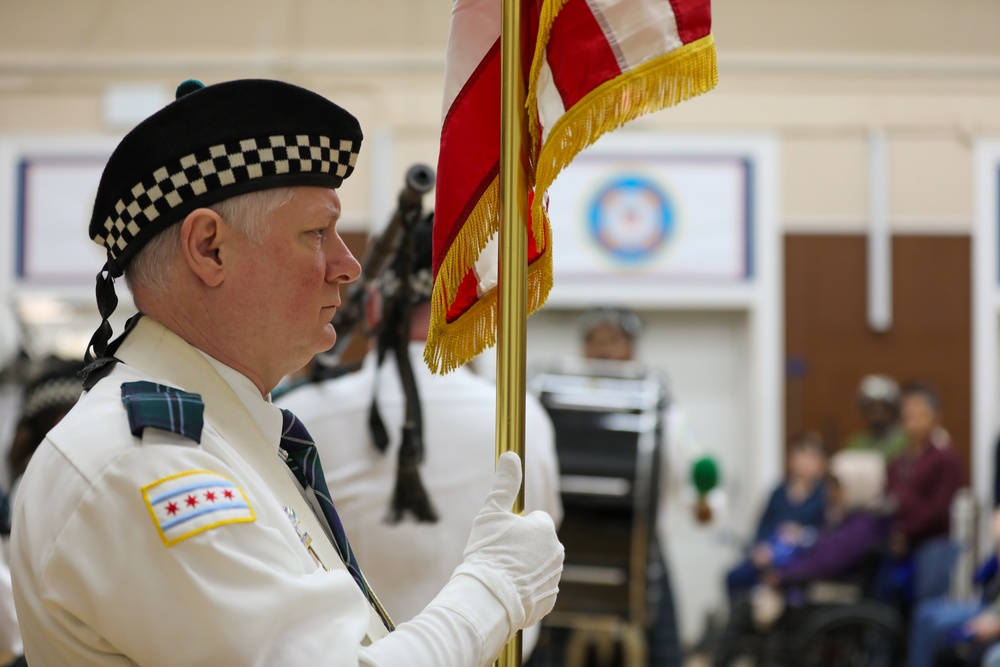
[654, 219]
[48, 190]
[652, 216]
[55, 198]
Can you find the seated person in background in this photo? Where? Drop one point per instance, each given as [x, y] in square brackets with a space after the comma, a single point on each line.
[946, 632]
[922, 484]
[854, 531]
[797, 503]
[878, 401]
[855, 527]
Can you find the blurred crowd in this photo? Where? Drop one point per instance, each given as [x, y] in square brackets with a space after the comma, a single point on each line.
[869, 526]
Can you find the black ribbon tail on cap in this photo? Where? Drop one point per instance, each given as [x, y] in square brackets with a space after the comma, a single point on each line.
[107, 301]
[97, 370]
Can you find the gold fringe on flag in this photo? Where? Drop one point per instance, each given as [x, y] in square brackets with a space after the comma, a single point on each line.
[452, 344]
[546, 18]
[656, 84]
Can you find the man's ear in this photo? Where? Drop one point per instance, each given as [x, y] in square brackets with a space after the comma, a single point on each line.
[202, 233]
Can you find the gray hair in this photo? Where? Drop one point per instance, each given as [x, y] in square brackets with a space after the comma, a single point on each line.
[247, 212]
[878, 388]
[611, 316]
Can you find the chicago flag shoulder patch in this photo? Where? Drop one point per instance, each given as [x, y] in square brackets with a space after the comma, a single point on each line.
[194, 501]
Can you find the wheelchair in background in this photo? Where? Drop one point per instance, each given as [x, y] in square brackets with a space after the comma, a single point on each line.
[862, 633]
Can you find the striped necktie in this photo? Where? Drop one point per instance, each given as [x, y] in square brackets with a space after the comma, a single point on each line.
[303, 460]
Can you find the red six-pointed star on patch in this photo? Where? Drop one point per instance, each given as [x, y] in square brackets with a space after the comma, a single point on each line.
[192, 501]
[172, 509]
[228, 494]
[210, 495]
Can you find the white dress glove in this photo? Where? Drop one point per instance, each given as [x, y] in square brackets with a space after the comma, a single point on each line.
[519, 558]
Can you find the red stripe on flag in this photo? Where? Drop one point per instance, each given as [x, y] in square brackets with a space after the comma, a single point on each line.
[469, 158]
[694, 19]
[465, 297]
[579, 54]
[535, 249]
[468, 291]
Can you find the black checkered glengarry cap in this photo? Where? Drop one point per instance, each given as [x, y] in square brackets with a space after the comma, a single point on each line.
[214, 143]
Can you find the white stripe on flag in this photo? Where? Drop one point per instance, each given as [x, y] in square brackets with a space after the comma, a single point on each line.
[475, 27]
[639, 29]
[550, 104]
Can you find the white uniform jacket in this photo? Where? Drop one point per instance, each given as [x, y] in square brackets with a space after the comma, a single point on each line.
[104, 574]
[408, 562]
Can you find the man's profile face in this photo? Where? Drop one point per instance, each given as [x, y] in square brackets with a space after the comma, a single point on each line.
[290, 281]
[606, 341]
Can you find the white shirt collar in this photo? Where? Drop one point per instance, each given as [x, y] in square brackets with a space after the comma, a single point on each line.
[265, 414]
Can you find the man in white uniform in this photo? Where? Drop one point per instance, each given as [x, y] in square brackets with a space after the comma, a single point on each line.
[175, 516]
[457, 412]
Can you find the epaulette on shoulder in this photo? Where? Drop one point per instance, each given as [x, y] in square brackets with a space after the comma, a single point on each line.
[166, 408]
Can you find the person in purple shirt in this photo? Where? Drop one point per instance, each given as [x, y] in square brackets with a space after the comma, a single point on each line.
[855, 529]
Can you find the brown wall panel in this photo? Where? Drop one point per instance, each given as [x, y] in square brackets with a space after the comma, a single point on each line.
[829, 345]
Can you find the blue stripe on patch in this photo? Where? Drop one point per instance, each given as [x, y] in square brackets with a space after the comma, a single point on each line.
[202, 512]
[194, 501]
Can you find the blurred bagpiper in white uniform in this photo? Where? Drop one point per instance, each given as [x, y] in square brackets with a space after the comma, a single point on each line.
[410, 452]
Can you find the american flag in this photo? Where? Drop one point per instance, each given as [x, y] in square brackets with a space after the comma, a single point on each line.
[589, 67]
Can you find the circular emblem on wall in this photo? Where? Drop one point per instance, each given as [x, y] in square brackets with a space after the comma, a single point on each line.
[631, 218]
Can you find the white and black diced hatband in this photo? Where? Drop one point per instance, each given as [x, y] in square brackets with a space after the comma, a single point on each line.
[216, 168]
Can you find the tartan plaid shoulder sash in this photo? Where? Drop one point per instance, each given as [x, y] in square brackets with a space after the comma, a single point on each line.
[152, 405]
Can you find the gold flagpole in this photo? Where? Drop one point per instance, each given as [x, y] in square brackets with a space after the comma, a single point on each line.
[512, 288]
